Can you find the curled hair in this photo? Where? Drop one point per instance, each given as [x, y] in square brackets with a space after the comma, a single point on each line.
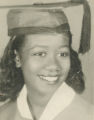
[75, 77]
[11, 77]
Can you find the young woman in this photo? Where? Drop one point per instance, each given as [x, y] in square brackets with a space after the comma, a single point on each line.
[40, 57]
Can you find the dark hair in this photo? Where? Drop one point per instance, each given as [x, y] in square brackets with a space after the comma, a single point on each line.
[75, 77]
[11, 77]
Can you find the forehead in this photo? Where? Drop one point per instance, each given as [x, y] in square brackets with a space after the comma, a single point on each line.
[46, 39]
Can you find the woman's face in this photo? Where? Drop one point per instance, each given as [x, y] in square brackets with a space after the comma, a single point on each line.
[45, 62]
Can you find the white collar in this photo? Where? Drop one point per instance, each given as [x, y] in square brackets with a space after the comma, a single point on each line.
[59, 101]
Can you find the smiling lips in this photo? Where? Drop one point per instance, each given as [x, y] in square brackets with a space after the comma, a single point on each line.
[52, 79]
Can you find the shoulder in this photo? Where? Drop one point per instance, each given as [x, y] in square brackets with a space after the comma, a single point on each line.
[83, 106]
[79, 109]
[8, 110]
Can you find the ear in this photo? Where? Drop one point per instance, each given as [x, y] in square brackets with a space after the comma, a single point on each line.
[17, 59]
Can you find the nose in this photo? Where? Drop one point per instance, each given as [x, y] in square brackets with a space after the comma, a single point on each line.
[53, 65]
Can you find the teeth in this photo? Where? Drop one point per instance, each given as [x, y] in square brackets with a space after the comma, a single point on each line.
[50, 79]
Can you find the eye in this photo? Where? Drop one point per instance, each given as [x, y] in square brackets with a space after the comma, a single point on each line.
[63, 54]
[40, 54]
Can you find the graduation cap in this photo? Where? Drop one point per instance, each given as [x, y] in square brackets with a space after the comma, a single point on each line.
[36, 20]
[72, 15]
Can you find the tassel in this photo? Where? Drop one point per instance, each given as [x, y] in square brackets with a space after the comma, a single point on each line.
[86, 29]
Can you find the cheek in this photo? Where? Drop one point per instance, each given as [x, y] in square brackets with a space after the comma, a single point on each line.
[31, 66]
[65, 65]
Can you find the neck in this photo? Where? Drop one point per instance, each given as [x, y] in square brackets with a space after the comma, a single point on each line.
[37, 103]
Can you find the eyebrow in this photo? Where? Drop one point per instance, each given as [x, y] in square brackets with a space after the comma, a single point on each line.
[36, 46]
[64, 46]
[39, 46]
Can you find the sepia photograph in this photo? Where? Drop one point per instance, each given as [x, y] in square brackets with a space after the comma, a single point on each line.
[47, 60]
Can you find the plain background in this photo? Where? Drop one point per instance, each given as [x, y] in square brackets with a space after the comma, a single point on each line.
[86, 59]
